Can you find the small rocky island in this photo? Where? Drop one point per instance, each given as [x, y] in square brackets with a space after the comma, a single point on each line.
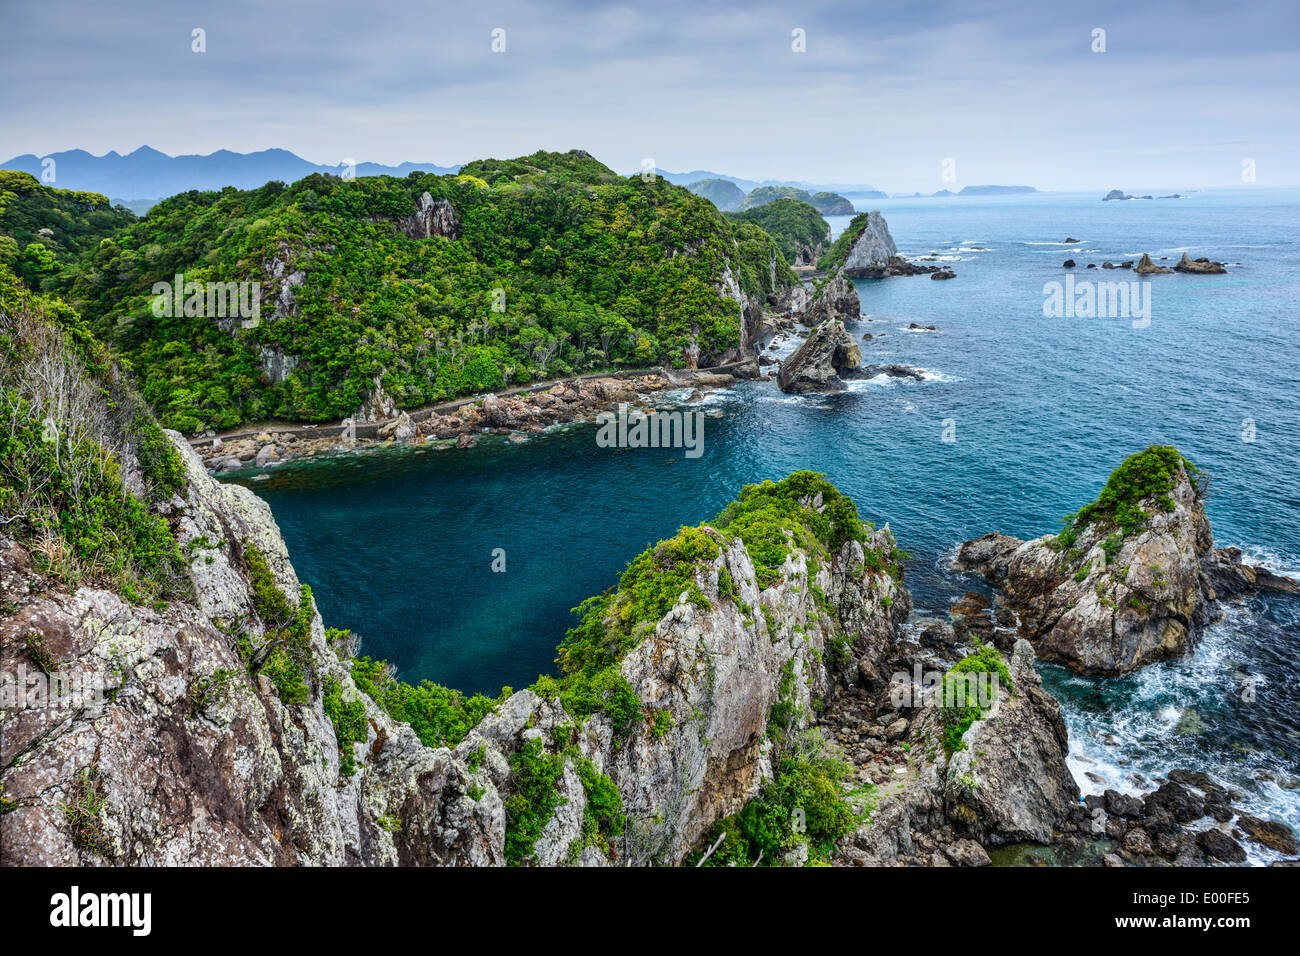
[1130, 578]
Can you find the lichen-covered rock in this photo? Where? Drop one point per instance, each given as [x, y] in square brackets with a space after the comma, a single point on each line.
[1011, 782]
[176, 754]
[1008, 783]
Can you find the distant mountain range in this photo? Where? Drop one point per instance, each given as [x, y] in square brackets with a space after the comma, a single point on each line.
[143, 176]
[147, 174]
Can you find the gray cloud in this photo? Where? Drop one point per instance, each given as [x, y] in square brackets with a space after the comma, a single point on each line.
[883, 94]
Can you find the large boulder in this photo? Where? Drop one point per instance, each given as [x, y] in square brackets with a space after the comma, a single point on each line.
[815, 365]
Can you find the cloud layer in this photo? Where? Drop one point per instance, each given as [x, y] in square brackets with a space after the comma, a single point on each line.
[1013, 92]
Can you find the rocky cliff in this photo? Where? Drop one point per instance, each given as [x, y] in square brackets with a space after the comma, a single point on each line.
[190, 744]
[872, 250]
[172, 752]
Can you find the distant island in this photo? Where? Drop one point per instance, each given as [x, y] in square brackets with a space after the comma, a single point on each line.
[1120, 194]
[993, 190]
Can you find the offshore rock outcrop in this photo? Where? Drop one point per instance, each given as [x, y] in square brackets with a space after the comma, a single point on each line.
[816, 364]
[873, 254]
[1201, 266]
[1128, 582]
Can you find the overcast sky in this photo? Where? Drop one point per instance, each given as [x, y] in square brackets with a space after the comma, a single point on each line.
[885, 92]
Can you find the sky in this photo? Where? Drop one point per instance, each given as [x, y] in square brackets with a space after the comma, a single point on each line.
[900, 95]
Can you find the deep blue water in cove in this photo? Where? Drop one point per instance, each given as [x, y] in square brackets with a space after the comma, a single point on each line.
[399, 544]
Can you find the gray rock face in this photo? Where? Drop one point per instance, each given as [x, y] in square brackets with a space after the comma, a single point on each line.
[378, 406]
[276, 366]
[873, 250]
[181, 774]
[815, 365]
[190, 760]
[1011, 783]
[432, 217]
[836, 298]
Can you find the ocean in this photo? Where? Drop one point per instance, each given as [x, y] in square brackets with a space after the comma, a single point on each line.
[1019, 420]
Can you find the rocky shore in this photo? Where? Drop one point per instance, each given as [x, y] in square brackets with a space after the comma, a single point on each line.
[461, 424]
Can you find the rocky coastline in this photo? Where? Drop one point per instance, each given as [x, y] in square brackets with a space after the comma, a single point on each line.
[516, 415]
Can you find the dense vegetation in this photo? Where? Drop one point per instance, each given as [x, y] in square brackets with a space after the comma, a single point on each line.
[804, 804]
[42, 230]
[960, 701]
[440, 716]
[826, 203]
[82, 462]
[766, 517]
[798, 228]
[1148, 474]
[559, 266]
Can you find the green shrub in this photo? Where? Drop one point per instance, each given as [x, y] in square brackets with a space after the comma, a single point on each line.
[958, 709]
[803, 803]
[1149, 474]
[534, 776]
[440, 716]
[285, 654]
[349, 720]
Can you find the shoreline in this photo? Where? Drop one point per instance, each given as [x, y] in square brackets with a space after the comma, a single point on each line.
[527, 410]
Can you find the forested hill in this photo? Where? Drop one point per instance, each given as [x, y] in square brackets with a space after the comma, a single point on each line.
[43, 229]
[509, 271]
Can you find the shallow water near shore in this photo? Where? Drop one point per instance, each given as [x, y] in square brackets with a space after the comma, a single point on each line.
[399, 545]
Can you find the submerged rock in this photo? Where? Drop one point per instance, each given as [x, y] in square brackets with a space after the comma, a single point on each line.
[889, 371]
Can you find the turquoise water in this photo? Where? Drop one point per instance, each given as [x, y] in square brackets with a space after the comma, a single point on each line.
[399, 544]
